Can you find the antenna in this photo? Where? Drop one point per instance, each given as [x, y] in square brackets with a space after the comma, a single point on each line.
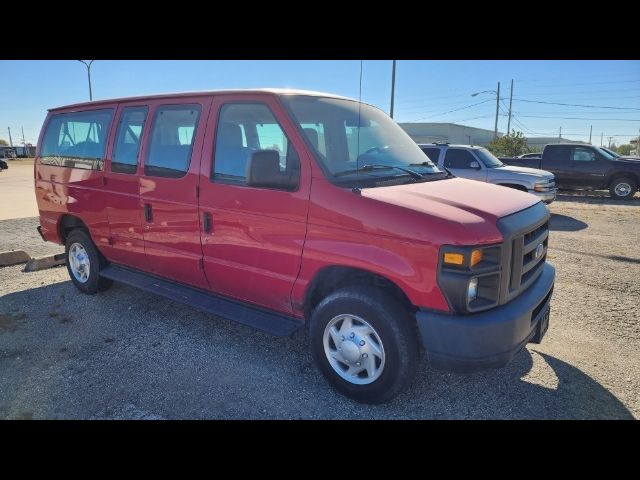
[357, 188]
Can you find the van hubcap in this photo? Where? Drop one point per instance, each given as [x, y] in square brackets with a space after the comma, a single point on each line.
[354, 349]
[79, 262]
[622, 189]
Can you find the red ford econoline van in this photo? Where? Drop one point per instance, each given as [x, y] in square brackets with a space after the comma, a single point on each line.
[280, 209]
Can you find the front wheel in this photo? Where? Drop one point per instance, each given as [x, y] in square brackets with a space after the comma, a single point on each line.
[622, 188]
[84, 262]
[364, 343]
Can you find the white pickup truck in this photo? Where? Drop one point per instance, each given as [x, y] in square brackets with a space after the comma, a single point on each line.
[478, 163]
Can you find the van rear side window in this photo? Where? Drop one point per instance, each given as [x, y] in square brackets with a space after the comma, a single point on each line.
[128, 140]
[77, 140]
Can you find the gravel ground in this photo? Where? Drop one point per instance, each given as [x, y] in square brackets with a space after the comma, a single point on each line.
[129, 354]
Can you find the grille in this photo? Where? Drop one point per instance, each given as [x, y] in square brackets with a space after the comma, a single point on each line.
[525, 265]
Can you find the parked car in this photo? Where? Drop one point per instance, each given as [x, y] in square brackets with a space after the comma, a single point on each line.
[583, 166]
[3, 165]
[478, 163]
[282, 209]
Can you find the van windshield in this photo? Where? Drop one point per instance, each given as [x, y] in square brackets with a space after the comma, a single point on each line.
[346, 139]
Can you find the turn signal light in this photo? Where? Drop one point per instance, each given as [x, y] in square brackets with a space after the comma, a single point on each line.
[454, 258]
[476, 257]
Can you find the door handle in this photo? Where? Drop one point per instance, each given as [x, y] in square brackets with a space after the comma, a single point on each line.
[207, 222]
[148, 214]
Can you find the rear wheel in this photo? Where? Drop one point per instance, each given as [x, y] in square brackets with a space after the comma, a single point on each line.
[622, 188]
[364, 343]
[84, 263]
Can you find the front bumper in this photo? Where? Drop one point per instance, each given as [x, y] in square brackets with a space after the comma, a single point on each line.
[546, 197]
[489, 339]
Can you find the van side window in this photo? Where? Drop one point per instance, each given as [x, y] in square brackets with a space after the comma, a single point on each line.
[127, 147]
[244, 128]
[171, 142]
[76, 140]
[457, 158]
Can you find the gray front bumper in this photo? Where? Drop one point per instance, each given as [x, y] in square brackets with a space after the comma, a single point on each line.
[489, 339]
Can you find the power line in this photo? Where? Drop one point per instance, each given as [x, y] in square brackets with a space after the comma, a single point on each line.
[457, 109]
[575, 104]
[556, 85]
[584, 118]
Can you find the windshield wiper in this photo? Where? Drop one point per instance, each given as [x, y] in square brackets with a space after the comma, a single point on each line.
[427, 164]
[371, 167]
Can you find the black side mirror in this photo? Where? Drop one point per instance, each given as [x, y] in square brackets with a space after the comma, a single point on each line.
[263, 171]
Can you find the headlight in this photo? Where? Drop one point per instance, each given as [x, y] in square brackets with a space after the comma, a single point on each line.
[544, 186]
[469, 276]
[472, 290]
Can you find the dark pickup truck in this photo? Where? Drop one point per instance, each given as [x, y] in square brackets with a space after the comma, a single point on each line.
[582, 166]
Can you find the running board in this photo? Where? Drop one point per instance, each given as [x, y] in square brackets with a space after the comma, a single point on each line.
[264, 320]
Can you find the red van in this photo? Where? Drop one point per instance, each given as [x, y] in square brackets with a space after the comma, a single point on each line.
[283, 209]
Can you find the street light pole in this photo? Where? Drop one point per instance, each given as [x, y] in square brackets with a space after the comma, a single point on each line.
[495, 130]
[393, 87]
[88, 65]
[497, 92]
[510, 103]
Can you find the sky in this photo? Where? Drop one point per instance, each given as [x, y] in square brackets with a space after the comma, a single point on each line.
[602, 94]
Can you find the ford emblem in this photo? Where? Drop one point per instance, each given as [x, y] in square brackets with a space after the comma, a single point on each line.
[539, 251]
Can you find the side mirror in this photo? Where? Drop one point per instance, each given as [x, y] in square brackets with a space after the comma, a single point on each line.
[475, 165]
[263, 171]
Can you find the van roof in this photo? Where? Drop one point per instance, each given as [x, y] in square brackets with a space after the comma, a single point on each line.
[273, 91]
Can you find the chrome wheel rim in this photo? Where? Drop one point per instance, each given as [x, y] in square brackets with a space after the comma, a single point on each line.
[622, 189]
[354, 349]
[79, 262]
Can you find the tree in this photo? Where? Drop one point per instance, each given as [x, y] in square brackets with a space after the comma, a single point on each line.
[509, 145]
[625, 149]
[3, 142]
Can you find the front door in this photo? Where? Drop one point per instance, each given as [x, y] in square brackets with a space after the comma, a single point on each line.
[462, 163]
[254, 237]
[168, 190]
[588, 168]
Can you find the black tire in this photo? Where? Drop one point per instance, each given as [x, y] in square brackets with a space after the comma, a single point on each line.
[396, 330]
[617, 183]
[94, 282]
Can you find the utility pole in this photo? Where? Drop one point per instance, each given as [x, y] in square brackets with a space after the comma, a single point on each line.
[560, 135]
[495, 130]
[638, 144]
[590, 130]
[10, 141]
[601, 136]
[393, 87]
[510, 102]
[88, 65]
[610, 138]
[24, 144]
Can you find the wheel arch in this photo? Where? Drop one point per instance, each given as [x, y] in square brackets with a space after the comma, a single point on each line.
[624, 174]
[67, 223]
[334, 277]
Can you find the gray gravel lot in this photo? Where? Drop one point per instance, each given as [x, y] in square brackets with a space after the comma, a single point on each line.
[129, 354]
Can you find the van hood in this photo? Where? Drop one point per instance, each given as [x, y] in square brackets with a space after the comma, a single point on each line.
[455, 200]
[535, 172]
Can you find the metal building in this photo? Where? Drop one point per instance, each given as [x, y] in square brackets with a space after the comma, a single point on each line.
[448, 132]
